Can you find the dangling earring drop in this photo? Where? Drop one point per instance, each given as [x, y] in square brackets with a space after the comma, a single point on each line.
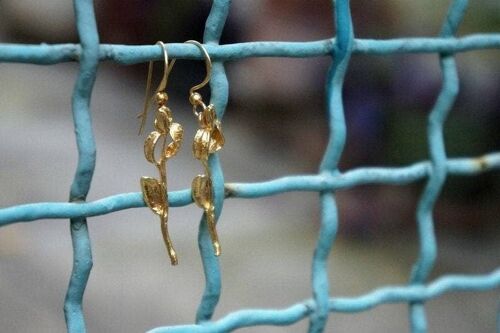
[208, 140]
[155, 190]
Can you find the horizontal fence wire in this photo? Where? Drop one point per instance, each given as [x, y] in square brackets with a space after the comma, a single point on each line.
[328, 180]
[45, 54]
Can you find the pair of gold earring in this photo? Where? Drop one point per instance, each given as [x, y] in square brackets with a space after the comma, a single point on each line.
[208, 140]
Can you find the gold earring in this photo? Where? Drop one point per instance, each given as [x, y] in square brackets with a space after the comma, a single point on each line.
[208, 140]
[154, 190]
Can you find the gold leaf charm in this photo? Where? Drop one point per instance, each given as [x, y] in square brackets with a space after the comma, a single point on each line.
[202, 195]
[163, 119]
[201, 144]
[202, 191]
[208, 140]
[155, 196]
[154, 191]
[176, 133]
[149, 146]
[217, 138]
[207, 116]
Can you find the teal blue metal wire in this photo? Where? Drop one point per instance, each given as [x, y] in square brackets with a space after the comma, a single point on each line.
[341, 54]
[435, 182]
[219, 88]
[44, 54]
[82, 252]
[329, 179]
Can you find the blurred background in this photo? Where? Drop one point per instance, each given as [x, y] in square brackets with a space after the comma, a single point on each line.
[275, 125]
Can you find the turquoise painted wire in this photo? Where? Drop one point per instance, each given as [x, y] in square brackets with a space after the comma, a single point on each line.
[82, 252]
[45, 54]
[329, 165]
[330, 179]
[436, 119]
[312, 183]
[219, 88]
[385, 295]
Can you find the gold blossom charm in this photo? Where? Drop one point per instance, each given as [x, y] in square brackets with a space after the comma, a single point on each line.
[168, 135]
[207, 140]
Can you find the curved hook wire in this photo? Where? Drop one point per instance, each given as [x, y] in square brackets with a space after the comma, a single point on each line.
[163, 84]
[208, 65]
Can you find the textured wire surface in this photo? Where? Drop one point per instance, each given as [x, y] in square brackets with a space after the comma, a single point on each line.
[328, 180]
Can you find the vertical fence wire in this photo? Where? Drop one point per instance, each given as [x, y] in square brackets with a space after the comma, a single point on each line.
[329, 217]
[219, 88]
[329, 179]
[82, 252]
[437, 117]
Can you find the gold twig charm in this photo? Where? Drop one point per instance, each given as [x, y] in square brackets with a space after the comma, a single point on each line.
[169, 135]
[208, 140]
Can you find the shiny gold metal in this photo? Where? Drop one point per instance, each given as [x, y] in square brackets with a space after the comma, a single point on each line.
[160, 95]
[207, 140]
[155, 191]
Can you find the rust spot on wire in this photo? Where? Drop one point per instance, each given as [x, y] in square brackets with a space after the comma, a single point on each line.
[229, 191]
[482, 163]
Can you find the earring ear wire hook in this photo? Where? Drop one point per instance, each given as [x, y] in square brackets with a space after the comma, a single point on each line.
[167, 68]
[208, 66]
